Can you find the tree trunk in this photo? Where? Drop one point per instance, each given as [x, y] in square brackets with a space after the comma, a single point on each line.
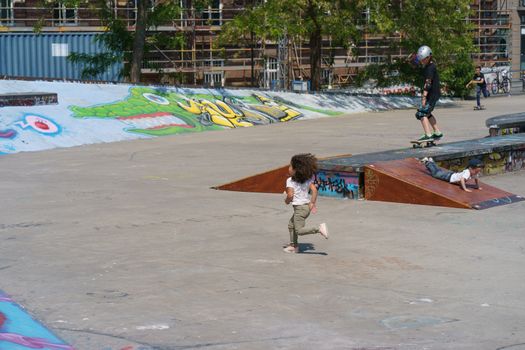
[139, 40]
[315, 59]
[252, 60]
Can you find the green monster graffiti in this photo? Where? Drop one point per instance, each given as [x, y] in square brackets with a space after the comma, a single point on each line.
[162, 112]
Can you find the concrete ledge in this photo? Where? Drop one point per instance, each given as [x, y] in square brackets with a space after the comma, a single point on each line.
[444, 151]
[28, 99]
[500, 154]
[506, 124]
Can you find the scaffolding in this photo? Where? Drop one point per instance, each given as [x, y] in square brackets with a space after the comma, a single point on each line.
[200, 61]
[492, 34]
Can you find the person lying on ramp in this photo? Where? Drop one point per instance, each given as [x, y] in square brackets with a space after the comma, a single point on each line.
[460, 178]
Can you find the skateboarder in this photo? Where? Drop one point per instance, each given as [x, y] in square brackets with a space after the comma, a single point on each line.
[460, 178]
[429, 96]
[481, 86]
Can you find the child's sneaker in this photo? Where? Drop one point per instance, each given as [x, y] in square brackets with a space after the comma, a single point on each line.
[291, 249]
[323, 230]
[437, 136]
[424, 160]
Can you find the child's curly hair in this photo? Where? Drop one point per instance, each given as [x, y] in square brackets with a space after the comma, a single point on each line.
[305, 166]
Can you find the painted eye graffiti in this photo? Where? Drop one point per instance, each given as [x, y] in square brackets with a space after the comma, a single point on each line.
[39, 124]
[156, 99]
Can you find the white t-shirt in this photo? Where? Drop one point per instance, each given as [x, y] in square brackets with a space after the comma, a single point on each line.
[456, 177]
[300, 191]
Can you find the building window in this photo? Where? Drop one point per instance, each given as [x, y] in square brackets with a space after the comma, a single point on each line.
[63, 15]
[522, 53]
[126, 10]
[6, 12]
[213, 15]
[271, 73]
[214, 79]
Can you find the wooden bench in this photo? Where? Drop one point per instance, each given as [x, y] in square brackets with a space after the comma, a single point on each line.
[506, 124]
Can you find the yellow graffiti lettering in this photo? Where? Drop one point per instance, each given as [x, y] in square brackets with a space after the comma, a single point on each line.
[289, 112]
[220, 113]
[263, 99]
[194, 107]
[228, 112]
[220, 120]
[224, 112]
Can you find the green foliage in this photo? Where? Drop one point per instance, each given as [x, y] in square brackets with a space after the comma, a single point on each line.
[118, 38]
[94, 65]
[458, 74]
[241, 27]
[441, 25]
[307, 20]
[299, 18]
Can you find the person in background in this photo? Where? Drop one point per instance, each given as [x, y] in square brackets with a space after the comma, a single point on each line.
[481, 87]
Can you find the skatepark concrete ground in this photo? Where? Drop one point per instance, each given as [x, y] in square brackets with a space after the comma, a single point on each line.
[125, 246]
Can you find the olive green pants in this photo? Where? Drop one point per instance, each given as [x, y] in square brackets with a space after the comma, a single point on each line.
[298, 221]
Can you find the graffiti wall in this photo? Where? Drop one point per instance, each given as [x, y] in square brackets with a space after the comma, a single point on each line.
[19, 331]
[495, 162]
[337, 184]
[93, 113]
[149, 112]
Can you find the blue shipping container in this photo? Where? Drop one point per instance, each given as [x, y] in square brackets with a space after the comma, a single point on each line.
[45, 55]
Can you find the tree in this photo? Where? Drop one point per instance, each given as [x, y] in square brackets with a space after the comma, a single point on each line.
[126, 44]
[441, 25]
[139, 41]
[309, 20]
[119, 41]
[241, 31]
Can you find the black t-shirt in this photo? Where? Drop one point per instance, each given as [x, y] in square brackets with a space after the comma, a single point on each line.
[430, 72]
[479, 78]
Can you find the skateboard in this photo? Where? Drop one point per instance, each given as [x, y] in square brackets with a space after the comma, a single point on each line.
[476, 108]
[423, 144]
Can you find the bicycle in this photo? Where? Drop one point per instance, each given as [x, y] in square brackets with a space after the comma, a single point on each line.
[504, 84]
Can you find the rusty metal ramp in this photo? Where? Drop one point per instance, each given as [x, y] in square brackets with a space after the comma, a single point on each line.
[272, 181]
[408, 181]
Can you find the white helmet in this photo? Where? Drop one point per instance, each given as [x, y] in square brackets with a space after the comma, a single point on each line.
[423, 52]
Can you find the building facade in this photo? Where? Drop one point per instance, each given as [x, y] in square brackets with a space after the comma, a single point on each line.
[499, 38]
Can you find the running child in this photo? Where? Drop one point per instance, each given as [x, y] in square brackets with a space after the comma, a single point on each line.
[459, 178]
[302, 170]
